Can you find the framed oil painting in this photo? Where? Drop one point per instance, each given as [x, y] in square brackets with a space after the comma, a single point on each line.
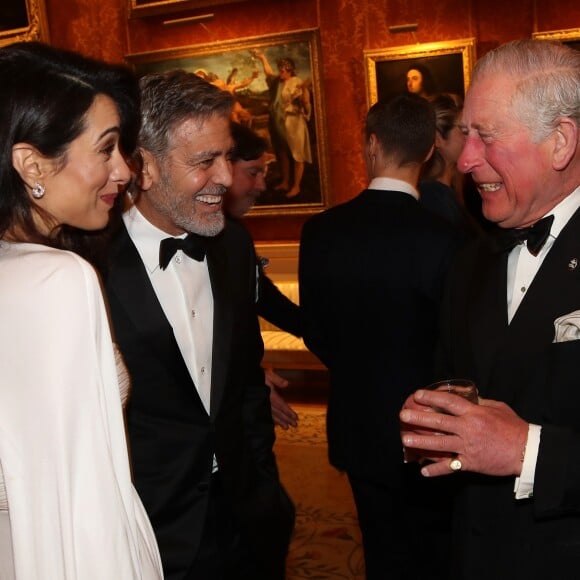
[422, 68]
[22, 20]
[276, 84]
[570, 36]
[139, 8]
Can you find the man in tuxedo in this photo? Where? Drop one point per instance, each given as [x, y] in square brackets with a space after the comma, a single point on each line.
[249, 168]
[371, 274]
[511, 325]
[181, 285]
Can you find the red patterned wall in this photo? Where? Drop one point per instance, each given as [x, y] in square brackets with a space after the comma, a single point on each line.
[347, 27]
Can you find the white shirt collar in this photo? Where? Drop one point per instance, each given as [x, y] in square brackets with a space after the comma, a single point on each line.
[390, 184]
[145, 236]
[564, 211]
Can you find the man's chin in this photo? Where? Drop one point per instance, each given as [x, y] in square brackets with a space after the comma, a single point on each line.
[495, 214]
[209, 228]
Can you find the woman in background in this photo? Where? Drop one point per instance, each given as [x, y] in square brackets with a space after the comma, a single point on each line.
[68, 509]
[440, 179]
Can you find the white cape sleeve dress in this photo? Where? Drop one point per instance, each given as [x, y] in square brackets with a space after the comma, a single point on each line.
[74, 513]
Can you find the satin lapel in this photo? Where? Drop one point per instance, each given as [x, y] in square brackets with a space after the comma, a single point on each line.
[129, 283]
[487, 306]
[217, 261]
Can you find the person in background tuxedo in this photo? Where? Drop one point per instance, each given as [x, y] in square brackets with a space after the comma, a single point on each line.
[181, 285]
[371, 275]
[511, 324]
[249, 167]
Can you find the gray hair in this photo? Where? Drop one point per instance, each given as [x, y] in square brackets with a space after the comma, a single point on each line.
[546, 79]
[169, 98]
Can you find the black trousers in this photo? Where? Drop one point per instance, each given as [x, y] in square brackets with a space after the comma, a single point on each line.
[406, 530]
[222, 554]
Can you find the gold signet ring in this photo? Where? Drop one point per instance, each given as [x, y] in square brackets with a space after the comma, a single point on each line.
[455, 464]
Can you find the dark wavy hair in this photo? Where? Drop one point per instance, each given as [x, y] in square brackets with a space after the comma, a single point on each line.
[288, 64]
[45, 95]
[248, 145]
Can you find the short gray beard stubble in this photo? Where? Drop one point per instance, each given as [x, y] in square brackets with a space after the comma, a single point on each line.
[181, 209]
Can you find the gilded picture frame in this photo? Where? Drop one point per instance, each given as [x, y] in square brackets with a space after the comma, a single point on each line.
[23, 20]
[233, 65]
[449, 63]
[569, 36]
[139, 8]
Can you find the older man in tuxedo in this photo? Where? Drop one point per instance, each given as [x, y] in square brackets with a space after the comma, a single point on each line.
[511, 323]
[371, 275]
[181, 285]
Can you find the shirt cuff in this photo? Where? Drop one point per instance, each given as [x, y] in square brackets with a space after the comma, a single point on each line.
[524, 486]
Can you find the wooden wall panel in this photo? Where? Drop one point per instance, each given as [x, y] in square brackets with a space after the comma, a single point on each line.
[347, 27]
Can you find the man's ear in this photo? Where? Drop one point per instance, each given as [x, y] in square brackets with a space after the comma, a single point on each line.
[150, 173]
[372, 145]
[565, 143]
[30, 164]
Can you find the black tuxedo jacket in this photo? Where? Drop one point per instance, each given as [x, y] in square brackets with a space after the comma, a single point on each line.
[371, 275]
[274, 306]
[498, 536]
[172, 438]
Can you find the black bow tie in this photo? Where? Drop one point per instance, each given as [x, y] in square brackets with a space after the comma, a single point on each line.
[535, 236]
[193, 245]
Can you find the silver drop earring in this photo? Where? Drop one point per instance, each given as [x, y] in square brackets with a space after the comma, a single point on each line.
[38, 190]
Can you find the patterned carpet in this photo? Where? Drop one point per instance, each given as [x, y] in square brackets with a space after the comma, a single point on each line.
[327, 542]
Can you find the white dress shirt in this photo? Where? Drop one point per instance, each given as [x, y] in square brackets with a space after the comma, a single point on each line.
[184, 292]
[521, 270]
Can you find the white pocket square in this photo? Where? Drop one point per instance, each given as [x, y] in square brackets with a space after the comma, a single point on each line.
[567, 327]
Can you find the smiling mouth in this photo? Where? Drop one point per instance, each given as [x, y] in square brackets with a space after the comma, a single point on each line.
[489, 187]
[209, 199]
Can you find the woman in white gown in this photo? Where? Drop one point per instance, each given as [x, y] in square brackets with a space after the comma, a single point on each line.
[68, 509]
